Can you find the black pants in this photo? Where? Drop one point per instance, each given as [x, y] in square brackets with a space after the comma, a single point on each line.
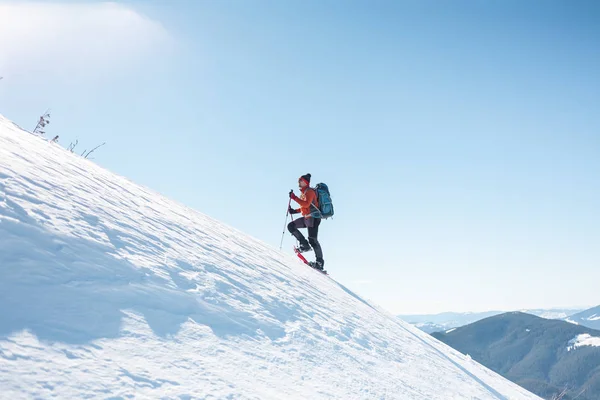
[313, 231]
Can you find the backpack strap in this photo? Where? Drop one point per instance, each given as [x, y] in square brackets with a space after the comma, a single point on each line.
[315, 202]
[315, 211]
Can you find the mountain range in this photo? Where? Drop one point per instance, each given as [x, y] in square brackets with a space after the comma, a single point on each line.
[544, 356]
[589, 318]
[448, 320]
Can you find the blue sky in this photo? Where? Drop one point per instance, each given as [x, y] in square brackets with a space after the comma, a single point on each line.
[460, 140]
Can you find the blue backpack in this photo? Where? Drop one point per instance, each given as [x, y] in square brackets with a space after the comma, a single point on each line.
[325, 209]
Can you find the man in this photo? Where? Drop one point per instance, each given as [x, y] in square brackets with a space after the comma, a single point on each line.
[308, 198]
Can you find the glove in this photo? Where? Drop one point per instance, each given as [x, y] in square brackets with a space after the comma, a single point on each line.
[292, 195]
[292, 211]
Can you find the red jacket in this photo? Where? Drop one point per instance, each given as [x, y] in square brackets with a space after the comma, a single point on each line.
[308, 197]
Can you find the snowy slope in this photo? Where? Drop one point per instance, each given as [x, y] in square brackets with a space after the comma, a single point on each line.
[109, 290]
[585, 339]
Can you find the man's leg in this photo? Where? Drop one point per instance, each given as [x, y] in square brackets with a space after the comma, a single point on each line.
[313, 233]
[293, 228]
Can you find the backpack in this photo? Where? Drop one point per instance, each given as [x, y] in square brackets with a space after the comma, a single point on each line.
[325, 209]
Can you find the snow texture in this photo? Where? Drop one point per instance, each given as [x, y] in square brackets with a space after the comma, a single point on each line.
[110, 290]
[585, 339]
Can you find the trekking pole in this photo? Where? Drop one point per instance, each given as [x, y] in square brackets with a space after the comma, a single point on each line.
[286, 215]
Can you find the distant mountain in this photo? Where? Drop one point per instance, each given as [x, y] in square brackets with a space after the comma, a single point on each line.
[430, 327]
[589, 318]
[552, 313]
[542, 355]
[448, 320]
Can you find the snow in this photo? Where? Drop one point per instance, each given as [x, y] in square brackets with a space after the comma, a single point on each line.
[450, 330]
[571, 321]
[527, 330]
[594, 318]
[584, 339]
[110, 290]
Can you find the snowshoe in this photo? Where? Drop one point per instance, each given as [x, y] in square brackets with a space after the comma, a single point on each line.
[313, 264]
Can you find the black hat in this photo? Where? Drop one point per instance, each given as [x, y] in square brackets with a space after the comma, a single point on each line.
[306, 178]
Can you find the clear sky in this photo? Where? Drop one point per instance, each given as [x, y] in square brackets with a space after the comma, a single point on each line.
[460, 139]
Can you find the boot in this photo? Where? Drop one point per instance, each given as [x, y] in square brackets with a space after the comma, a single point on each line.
[318, 264]
[304, 247]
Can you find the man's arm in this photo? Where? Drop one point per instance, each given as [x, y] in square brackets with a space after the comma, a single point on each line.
[310, 198]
